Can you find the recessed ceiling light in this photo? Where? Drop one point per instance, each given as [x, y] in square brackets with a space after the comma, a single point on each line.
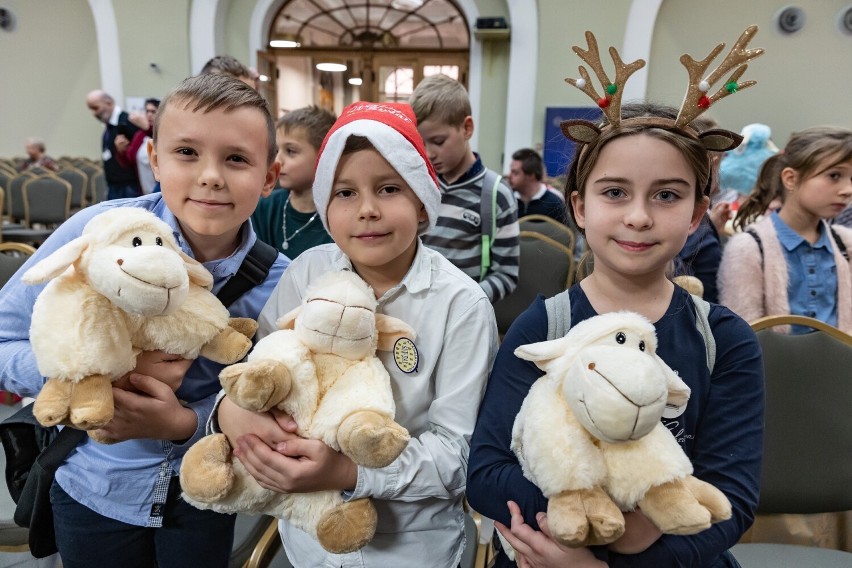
[332, 67]
[355, 81]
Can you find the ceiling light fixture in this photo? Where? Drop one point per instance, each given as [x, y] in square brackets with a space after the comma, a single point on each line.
[357, 81]
[406, 4]
[285, 40]
[331, 67]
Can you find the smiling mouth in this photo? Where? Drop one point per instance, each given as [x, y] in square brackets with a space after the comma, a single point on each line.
[634, 246]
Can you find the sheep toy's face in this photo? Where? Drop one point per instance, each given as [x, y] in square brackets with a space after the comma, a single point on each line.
[139, 272]
[616, 387]
[339, 318]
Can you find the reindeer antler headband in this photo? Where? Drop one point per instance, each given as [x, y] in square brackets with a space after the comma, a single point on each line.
[694, 103]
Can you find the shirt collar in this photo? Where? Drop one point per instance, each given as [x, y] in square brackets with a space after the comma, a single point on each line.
[473, 171]
[116, 113]
[790, 239]
[417, 279]
[219, 268]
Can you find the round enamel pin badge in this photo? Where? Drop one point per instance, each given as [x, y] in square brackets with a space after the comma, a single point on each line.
[405, 355]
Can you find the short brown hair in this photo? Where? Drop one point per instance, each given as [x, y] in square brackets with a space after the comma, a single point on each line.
[314, 121]
[530, 162]
[211, 91]
[440, 98]
[226, 65]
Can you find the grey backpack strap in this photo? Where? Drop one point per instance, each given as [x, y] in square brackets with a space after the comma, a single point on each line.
[558, 315]
[487, 219]
[702, 322]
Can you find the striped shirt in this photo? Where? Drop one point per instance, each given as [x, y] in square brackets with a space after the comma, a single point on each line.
[458, 235]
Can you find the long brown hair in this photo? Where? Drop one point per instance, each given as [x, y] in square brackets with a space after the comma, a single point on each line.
[809, 152]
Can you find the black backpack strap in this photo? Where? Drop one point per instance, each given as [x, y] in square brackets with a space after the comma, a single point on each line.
[252, 272]
[841, 246]
[759, 242]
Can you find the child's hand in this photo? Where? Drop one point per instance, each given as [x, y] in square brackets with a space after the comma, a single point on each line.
[298, 465]
[169, 369]
[534, 549]
[639, 534]
[150, 410]
[235, 421]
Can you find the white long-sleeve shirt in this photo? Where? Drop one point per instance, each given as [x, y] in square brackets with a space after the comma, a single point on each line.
[419, 496]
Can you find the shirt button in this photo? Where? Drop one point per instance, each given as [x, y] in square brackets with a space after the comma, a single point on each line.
[811, 270]
[811, 314]
[813, 292]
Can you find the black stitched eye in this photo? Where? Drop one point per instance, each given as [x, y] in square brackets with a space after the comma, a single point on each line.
[159, 242]
[620, 337]
[137, 242]
[641, 346]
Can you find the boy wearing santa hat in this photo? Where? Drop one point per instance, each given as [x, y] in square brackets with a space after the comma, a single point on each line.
[376, 194]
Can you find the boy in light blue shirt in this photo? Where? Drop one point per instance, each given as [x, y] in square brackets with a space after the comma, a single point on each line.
[213, 153]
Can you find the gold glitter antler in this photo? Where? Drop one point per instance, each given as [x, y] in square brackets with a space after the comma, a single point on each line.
[696, 100]
[610, 101]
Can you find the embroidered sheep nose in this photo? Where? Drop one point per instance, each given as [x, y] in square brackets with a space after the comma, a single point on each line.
[120, 261]
[591, 366]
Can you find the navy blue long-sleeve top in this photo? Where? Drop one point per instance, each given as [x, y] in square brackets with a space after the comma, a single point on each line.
[721, 430]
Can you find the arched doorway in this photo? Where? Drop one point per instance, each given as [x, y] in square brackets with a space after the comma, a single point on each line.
[378, 50]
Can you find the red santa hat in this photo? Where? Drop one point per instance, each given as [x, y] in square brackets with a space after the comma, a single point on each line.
[392, 130]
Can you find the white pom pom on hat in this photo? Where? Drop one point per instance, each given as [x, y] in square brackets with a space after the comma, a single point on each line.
[392, 130]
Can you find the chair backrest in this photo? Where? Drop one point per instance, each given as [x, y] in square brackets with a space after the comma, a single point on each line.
[15, 196]
[546, 267]
[807, 455]
[47, 200]
[97, 188]
[12, 257]
[549, 227]
[79, 183]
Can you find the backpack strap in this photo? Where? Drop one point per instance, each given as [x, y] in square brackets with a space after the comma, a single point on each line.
[841, 246]
[559, 321]
[702, 322]
[252, 272]
[488, 219]
[759, 242]
[558, 315]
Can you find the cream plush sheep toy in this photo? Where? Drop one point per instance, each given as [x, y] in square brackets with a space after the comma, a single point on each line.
[589, 435]
[321, 368]
[122, 287]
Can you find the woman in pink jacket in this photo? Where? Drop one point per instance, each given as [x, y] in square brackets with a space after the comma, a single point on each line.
[791, 261]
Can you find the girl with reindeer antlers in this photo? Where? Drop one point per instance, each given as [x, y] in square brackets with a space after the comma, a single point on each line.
[637, 186]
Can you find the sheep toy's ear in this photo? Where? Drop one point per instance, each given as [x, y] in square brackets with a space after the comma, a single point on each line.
[58, 262]
[288, 320]
[544, 354]
[391, 330]
[197, 273]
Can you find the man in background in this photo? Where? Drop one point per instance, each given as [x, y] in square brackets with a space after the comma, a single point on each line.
[534, 197]
[121, 181]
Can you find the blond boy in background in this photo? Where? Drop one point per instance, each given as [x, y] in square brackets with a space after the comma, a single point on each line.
[477, 228]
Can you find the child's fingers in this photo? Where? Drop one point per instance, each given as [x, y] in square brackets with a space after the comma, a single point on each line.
[284, 420]
[151, 386]
[519, 545]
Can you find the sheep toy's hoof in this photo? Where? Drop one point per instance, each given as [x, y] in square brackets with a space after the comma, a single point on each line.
[674, 509]
[584, 518]
[347, 527]
[52, 405]
[245, 326]
[206, 474]
[230, 346]
[256, 385]
[91, 402]
[370, 439]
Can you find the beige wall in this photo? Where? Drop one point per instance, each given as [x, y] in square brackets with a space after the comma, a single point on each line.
[47, 65]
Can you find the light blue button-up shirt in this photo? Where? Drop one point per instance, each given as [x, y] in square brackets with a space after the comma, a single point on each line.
[812, 273]
[125, 481]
